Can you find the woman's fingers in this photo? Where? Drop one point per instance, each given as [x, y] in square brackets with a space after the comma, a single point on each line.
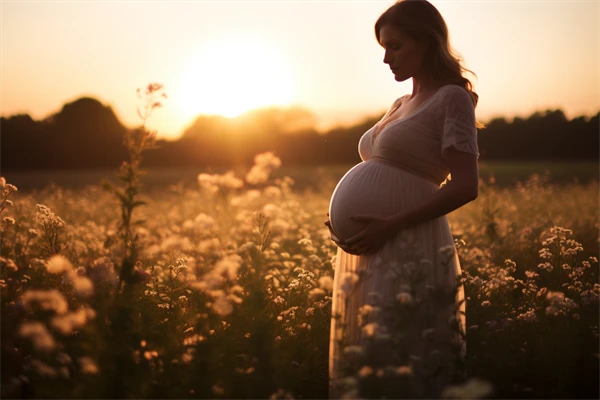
[362, 247]
[332, 233]
[351, 251]
[356, 239]
[355, 245]
[347, 247]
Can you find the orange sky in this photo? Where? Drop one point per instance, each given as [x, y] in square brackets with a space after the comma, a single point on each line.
[228, 57]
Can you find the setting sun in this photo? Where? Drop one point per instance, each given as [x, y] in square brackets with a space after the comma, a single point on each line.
[233, 76]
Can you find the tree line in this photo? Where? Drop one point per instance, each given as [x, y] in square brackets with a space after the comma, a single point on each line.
[86, 134]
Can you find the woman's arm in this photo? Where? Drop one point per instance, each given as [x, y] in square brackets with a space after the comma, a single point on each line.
[460, 190]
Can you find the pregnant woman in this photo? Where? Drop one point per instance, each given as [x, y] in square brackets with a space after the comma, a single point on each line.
[398, 319]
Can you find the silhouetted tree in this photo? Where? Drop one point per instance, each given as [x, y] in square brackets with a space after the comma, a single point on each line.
[87, 134]
[84, 134]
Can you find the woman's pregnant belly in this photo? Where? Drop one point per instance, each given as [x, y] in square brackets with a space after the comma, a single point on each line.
[374, 187]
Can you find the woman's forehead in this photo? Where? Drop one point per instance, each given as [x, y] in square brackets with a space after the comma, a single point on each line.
[389, 33]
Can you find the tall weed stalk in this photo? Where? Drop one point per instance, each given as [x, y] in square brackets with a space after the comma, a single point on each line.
[123, 324]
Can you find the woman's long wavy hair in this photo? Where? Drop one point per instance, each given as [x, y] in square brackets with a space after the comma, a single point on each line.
[421, 21]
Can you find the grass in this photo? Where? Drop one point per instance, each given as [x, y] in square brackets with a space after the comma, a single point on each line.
[230, 294]
[505, 173]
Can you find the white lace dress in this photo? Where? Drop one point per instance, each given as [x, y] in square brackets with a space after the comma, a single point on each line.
[399, 313]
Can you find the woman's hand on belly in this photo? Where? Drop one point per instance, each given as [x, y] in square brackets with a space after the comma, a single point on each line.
[378, 231]
[348, 249]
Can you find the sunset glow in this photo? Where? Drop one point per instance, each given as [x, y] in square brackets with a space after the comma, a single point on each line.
[229, 57]
[232, 76]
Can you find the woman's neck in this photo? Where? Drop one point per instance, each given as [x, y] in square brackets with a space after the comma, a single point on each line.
[424, 86]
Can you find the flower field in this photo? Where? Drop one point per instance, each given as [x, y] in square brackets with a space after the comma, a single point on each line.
[224, 290]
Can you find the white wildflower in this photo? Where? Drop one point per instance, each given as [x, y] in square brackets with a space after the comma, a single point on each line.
[370, 329]
[348, 282]
[272, 192]
[404, 370]
[67, 323]
[47, 299]
[228, 266]
[404, 298]
[365, 371]
[88, 366]
[8, 264]
[473, 389]
[264, 164]
[551, 310]
[81, 285]
[42, 368]
[222, 306]
[257, 175]
[271, 210]
[46, 218]
[528, 316]
[204, 221]
[326, 283]
[58, 264]
[555, 297]
[38, 334]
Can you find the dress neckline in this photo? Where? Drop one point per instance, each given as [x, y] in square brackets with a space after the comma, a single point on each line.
[412, 113]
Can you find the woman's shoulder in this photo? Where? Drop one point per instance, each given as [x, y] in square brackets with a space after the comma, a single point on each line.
[455, 93]
[454, 98]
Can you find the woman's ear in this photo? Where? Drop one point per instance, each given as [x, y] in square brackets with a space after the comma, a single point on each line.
[425, 45]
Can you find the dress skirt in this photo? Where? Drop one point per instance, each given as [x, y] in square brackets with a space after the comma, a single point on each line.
[398, 315]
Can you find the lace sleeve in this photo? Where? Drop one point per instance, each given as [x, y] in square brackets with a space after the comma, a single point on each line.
[459, 122]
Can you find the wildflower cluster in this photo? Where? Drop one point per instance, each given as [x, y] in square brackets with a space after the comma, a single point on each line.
[231, 292]
[264, 164]
[537, 306]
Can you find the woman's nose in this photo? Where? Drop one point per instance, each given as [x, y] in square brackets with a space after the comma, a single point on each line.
[386, 58]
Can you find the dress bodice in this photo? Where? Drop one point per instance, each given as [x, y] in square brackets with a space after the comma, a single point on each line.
[417, 142]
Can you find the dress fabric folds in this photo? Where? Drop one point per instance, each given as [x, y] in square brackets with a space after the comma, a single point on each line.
[398, 315]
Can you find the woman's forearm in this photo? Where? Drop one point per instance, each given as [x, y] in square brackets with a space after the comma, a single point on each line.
[447, 199]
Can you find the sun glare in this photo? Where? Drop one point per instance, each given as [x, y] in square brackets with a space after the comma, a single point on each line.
[234, 76]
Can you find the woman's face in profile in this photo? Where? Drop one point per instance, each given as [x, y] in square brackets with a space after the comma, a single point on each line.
[403, 54]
